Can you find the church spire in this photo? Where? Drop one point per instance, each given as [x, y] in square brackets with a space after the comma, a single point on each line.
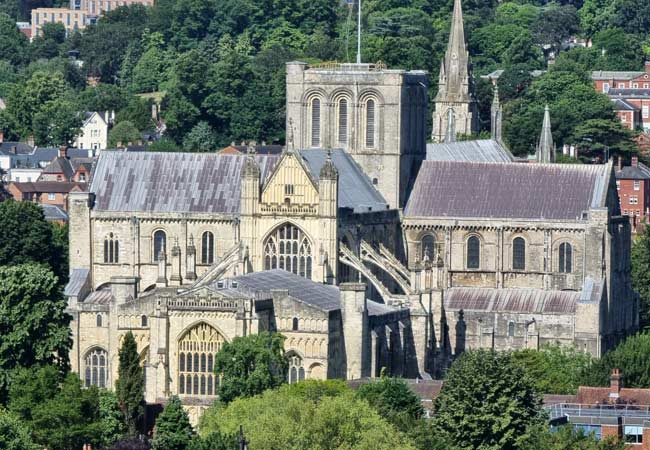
[496, 115]
[545, 147]
[455, 82]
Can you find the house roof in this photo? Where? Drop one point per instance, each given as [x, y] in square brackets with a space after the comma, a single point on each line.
[483, 150]
[54, 213]
[355, 190]
[60, 165]
[507, 190]
[171, 182]
[600, 395]
[614, 75]
[640, 172]
[7, 148]
[38, 158]
[622, 105]
[629, 93]
[78, 279]
[48, 186]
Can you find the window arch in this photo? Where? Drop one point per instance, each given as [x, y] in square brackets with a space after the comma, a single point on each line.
[99, 320]
[565, 258]
[159, 243]
[428, 248]
[96, 367]
[315, 113]
[207, 248]
[111, 249]
[342, 121]
[196, 352]
[288, 248]
[294, 324]
[473, 252]
[144, 321]
[518, 253]
[511, 329]
[371, 123]
[296, 368]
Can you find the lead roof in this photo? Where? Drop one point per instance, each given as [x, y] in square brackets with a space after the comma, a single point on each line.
[483, 150]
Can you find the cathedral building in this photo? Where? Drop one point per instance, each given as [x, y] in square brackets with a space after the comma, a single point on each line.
[366, 247]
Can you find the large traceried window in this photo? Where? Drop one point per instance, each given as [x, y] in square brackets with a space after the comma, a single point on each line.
[111, 249]
[207, 248]
[371, 123]
[473, 252]
[288, 248]
[565, 258]
[196, 352]
[96, 368]
[342, 112]
[296, 369]
[428, 248]
[518, 253]
[315, 122]
[159, 243]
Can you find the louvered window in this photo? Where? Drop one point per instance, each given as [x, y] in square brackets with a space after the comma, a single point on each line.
[343, 121]
[315, 122]
[370, 123]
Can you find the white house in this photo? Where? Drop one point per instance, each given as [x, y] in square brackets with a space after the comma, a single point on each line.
[94, 131]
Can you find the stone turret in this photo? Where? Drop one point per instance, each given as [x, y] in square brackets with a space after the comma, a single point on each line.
[124, 289]
[162, 269]
[545, 148]
[354, 312]
[496, 116]
[328, 181]
[190, 274]
[455, 89]
[176, 279]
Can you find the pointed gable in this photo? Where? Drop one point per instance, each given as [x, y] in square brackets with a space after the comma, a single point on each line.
[290, 179]
[454, 71]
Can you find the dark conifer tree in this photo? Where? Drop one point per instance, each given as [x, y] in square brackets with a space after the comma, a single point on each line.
[130, 383]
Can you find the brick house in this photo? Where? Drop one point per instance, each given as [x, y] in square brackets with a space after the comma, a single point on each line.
[633, 186]
[45, 192]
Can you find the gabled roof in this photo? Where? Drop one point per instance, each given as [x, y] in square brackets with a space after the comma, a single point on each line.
[171, 182]
[445, 189]
[60, 165]
[355, 190]
[640, 172]
[629, 92]
[54, 213]
[622, 105]
[62, 187]
[15, 148]
[614, 75]
[78, 279]
[482, 150]
[37, 158]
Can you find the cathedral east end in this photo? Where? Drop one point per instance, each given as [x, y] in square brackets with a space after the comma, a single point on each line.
[365, 246]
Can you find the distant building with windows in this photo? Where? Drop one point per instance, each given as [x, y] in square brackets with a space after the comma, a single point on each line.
[94, 130]
[633, 185]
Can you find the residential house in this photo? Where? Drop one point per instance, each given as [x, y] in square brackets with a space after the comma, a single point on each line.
[54, 213]
[94, 131]
[633, 186]
[45, 192]
[65, 168]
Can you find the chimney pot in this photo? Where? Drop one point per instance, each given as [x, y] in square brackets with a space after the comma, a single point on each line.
[647, 67]
[635, 161]
[63, 151]
[615, 382]
[620, 162]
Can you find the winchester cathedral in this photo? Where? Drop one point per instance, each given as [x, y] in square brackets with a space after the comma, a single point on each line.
[366, 247]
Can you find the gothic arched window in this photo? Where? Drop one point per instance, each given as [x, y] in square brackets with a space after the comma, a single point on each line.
[371, 123]
[143, 321]
[294, 324]
[473, 252]
[96, 368]
[566, 257]
[511, 329]
[159, 243]
[518, 253]
[342, 112]
[288, 248]
[197, 349]
[296, 369]
[99, 320]
[315, 122]
[207, 248]
[428, 248]
[111, 249]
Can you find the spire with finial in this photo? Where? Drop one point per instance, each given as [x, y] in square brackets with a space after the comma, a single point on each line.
[496, 115]
[290, 143]
[450, 134]
[328, 171]
[545, 147]
[454, 72]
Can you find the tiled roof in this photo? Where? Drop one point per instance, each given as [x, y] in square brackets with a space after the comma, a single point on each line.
[54, 213]
[613, 75]
[640, 172]
[48, 186]
[628, 92]
[78, 279]
[355, 190]
[38, 158]
[600, 395]
[171, 182]
[267, 149]
[484, 150]
[100, 297]
[622, 105]
[507, 190]
[60, 165]
[20, 148]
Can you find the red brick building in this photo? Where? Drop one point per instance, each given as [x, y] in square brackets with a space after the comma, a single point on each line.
[45, 192]
[633, 185]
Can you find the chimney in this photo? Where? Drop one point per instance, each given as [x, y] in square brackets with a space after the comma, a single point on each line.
[615, 383]
[30, 141]
[14, 149]
[635, 161]
[63, 151]
[620, 163]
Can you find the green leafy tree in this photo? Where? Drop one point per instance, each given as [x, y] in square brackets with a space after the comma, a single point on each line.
[164, 145]
[112, 420]
[129, 386]
[13, 43]
[555, 369]
[152, 68]
[604, 137]
[249, 365]
[138, 112]
[33, 324]
[103, 97]
[14, 435]
[622, 51]
[214, 441]
[173, 430]
[393, 400]
[631, 357]
[640, 260]
[488, 402]
[200, 139]
[48, 43]
[566, 437]
[555, 24]
[123, 133]
[57, 123]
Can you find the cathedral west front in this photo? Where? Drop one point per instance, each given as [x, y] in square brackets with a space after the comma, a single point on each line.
[366, 247]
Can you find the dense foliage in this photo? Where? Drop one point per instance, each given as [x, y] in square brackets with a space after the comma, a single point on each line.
[640, 261]
[129, 386]
[173, 430]
[631, 357]
[249, 365]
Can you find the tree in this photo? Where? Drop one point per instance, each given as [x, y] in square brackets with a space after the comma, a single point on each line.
[28, 238]
[33, 324]
[123, 133]
[129, 386]
[113, 426]
[130, 444]
[138, 112]
[13, 43]
[57, 123]
[488, 402]
[103, 97]
[164, 145]
[631, 357]
[249, 365]
[606, 137]
[640, 260]
[555, 369]
[393, 400]
[555, 24]
[214, 441]
[200, 139]
[14, 435]
[567, 437]
[173, 430]
[49, 42]
[152, 69]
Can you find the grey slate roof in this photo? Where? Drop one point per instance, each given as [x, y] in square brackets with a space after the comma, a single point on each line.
[60, 165]
[484, 150]
[171, 182]
[641, 172]
[78, 278]
[613, 75]
[355, 189]
[507, 190]
[54, 213]
[622, 105]
[21, 148]
[628, 93]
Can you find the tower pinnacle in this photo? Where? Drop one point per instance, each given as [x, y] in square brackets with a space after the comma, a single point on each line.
[545, 148]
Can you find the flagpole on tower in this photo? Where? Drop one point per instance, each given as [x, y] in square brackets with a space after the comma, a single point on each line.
[359, 32]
